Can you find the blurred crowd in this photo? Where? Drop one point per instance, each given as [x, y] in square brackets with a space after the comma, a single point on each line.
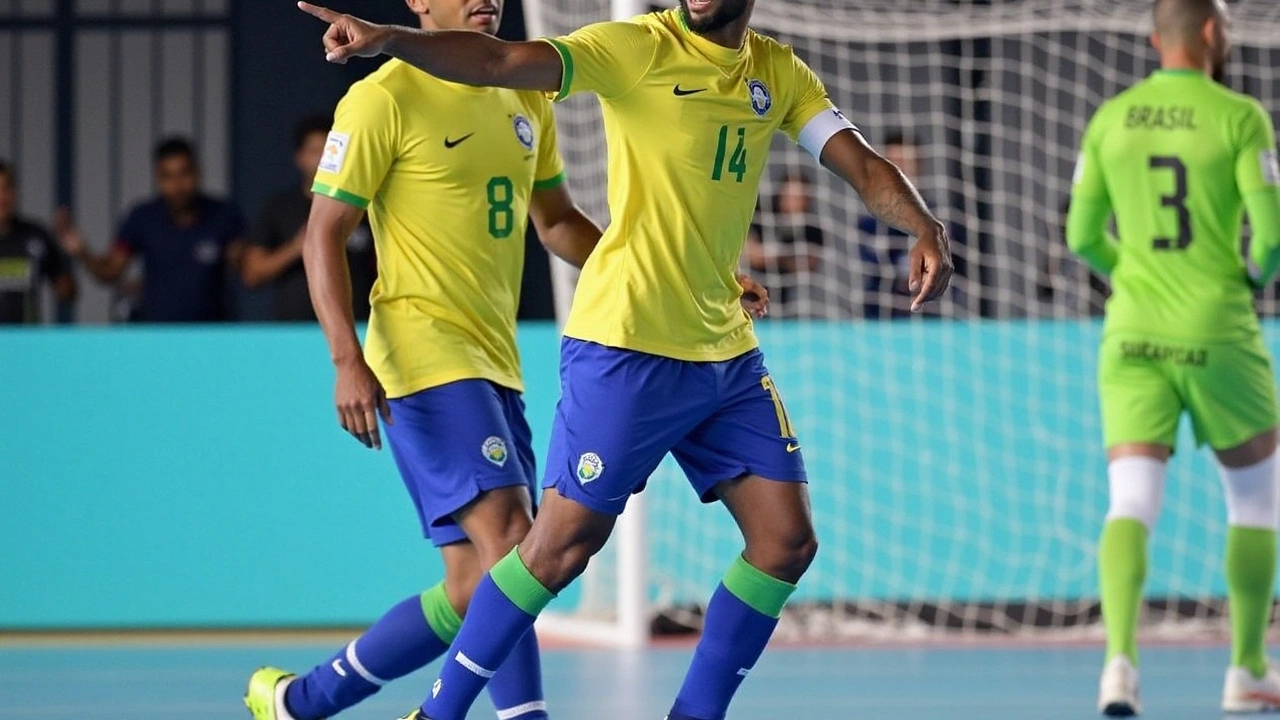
[188, 256]
[183, 255]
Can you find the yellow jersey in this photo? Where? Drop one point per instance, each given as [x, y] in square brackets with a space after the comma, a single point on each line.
[446, 172]
[688, 124]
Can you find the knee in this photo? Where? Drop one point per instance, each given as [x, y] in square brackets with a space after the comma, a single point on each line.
[1251, 494]
[556, 569]
[786, 556]
[1136, 488]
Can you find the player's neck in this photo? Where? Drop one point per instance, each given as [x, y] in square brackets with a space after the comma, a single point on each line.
[1183, 59]
[732, 35]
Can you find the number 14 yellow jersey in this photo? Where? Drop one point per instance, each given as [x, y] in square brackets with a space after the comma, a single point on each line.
[688, 124]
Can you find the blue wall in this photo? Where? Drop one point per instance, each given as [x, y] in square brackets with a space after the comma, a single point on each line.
[179, 477]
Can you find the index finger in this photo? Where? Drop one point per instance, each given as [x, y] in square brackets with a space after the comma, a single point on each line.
[323, 13]
[927, 284]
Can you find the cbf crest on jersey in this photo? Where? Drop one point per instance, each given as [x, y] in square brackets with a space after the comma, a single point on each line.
[495, 450]
[524, 131]
[590, 466]
[761, 100]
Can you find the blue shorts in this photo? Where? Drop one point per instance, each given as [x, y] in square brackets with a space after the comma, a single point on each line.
[621, 412]
[454, 442]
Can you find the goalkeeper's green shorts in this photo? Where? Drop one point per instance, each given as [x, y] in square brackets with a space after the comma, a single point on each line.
[1145, 383]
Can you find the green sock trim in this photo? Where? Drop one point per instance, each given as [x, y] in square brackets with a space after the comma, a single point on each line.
[760, 591]
[1122, 569]
[1250, 567]
[445, 622]
[519, 585]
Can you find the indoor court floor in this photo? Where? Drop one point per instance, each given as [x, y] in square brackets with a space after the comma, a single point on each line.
[205, 682]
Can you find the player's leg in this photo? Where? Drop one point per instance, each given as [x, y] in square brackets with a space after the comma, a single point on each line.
[450, 445]
[510, 597]
[1231, 396]
[496, 523]
[619, 413]
[748, 438]
[1140, 412]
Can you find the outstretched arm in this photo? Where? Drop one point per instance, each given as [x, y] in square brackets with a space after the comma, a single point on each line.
[470, 58]
[891, 197]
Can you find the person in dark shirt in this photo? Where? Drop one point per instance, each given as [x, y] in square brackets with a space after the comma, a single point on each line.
[186, 241]
[884, 249]
[785, 247]
[29, 257]
[273, 256]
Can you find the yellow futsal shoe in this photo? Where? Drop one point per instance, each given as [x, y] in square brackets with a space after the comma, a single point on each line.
[265, 695]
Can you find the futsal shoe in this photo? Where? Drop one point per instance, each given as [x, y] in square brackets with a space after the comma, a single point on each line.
[1118, 689]
[415, 715]
[1244, 693]
[265, 695]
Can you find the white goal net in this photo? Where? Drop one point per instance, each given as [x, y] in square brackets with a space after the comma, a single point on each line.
[955, 461]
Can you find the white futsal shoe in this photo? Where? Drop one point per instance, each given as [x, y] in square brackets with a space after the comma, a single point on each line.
[1118, 689]
[1243, 693]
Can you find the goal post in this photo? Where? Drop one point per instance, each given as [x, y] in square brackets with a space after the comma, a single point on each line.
[955, 461]
[613, 607]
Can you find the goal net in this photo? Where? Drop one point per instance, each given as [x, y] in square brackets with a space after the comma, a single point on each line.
[955, 461]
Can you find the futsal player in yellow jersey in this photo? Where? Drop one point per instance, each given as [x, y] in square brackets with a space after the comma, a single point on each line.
[658, 356]
[448, 175]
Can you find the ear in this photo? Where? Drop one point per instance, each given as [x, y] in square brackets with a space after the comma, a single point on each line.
[1209, 33]
[1155, 40]
[419, 7]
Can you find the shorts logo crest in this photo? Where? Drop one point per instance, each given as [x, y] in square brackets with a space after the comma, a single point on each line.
[590, 467]
[761, 100]
[495, 450]
[524, 131]
[335, 152]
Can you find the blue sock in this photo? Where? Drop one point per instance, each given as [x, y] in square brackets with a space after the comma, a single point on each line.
[412, 634]
[501, 614]
[516, 689]
[740, 618]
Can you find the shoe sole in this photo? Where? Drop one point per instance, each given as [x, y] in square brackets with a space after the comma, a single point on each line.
[1119, 709]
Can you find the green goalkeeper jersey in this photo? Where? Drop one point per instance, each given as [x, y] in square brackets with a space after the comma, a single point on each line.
[1177, 158]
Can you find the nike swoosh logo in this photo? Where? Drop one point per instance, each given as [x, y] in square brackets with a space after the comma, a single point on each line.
[681, 92]
[451, 144]
[792, 447]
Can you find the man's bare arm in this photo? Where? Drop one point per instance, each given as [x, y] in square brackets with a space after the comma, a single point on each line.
[329, 279]
[562, 227]
[891, 197]
[470, 58]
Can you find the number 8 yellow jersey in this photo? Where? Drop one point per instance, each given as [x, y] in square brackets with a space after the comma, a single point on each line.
[688, 124]
[446, 172]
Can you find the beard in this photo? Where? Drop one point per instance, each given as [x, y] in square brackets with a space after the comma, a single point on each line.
[726, 14]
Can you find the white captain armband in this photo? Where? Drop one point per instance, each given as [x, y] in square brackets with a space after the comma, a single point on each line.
[822, 128]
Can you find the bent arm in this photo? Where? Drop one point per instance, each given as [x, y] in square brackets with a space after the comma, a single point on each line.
[562, 227]
[261, 264]
[328, 277]
[1263, 207]
[886, 192]
[107, 267]
[1087, 233]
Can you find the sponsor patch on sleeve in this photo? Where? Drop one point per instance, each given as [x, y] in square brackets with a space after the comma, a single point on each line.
[1270, 167]
[335, 152]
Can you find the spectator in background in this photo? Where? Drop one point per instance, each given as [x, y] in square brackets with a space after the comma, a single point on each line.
[884, 250]
[273, 257]
[785, 247]
[29, 257]
[185, 239]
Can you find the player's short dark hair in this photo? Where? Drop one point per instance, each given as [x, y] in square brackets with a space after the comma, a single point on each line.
[1182, 19]
[176, 147]
[899, 137]
[7, 171]
[311, 125]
